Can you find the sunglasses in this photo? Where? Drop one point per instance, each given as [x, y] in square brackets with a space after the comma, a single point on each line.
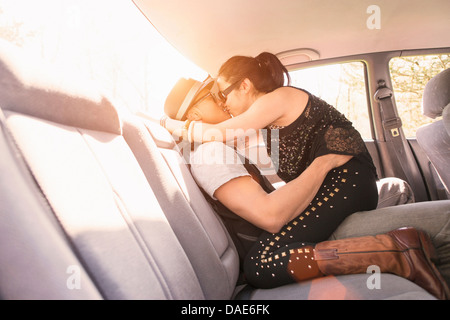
[221, 96]
[214, 92]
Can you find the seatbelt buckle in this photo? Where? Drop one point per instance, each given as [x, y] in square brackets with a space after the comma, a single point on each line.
[393, 125]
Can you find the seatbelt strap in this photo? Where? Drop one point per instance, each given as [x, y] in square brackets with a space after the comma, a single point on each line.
[256, 173]
[392, 125]
[391, 122]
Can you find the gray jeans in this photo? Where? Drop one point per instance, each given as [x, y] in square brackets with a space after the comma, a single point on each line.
[431, 217]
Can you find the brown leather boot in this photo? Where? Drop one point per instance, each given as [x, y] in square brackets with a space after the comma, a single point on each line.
[406, 252]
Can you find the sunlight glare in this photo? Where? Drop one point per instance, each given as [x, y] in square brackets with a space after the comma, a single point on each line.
[110, 42]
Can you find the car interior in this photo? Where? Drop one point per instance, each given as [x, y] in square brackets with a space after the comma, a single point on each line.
[97, 203]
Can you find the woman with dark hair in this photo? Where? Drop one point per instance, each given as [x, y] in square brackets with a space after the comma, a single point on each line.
[315, 200]
[299, 127]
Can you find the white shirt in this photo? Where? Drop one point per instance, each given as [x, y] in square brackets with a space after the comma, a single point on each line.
[213, 164]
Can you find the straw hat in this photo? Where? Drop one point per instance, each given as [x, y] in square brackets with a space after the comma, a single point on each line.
[182, 96]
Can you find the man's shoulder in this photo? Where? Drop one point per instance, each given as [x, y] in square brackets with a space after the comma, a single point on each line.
[215, 153]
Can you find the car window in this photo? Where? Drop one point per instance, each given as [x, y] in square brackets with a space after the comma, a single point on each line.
[409, 77]
[110, 42]
[341, 85]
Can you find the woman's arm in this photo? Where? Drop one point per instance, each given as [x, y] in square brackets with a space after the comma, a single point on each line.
[281, 106]
[266, 110]
[172, 125]
[271, 212]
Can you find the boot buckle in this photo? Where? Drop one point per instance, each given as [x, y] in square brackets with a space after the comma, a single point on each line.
[325, 254]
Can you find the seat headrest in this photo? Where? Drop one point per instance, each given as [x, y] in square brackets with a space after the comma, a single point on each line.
[436, 95]
[446, 118]
[29, 86]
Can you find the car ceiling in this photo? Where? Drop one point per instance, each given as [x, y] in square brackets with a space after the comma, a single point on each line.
[209, 32]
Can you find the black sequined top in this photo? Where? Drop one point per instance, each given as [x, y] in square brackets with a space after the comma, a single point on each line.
[319, 130]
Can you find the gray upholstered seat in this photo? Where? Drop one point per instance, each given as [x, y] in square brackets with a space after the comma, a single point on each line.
[435, 138]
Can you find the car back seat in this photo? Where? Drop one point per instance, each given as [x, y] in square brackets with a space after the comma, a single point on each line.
[199, 230]
[91, 194]
[111, 219]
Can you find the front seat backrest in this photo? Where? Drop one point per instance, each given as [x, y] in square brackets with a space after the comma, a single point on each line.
[435, 137]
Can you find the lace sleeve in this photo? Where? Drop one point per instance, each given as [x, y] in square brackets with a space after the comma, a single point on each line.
[344, 140]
